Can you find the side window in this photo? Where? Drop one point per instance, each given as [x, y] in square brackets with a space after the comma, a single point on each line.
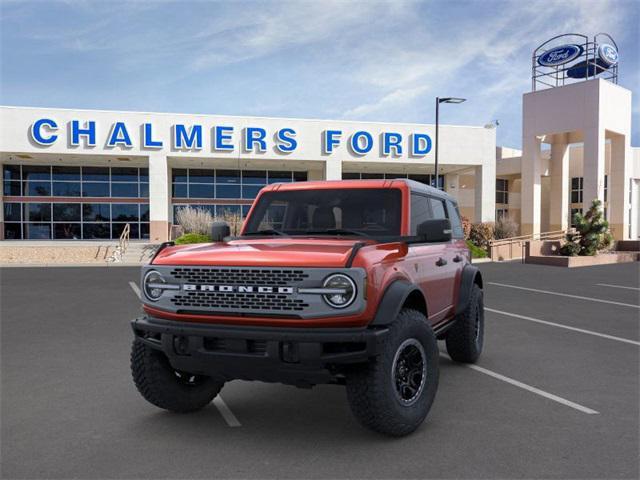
[437, 207]
[456, 223]
[420, 211]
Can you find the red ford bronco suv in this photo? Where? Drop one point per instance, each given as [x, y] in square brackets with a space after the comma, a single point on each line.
[343, 282]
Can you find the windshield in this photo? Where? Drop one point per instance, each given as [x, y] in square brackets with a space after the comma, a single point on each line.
[357, 211]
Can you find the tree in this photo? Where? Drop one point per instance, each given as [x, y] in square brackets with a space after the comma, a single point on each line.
[591, 235]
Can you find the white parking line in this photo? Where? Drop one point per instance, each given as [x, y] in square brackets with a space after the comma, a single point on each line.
[226, 413]
[559, 325]
[135, 289]
[617, 286]
[529, 388]
[565, 295]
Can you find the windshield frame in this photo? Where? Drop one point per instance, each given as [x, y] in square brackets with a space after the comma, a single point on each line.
[336, 232]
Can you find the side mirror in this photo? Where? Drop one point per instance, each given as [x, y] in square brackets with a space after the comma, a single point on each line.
[437, 230]
[220, 230]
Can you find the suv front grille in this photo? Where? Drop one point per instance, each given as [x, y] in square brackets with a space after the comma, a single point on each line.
[239, 276]
[238, 301]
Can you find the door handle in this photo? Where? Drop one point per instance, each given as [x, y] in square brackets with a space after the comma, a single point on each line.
[441, 262]
[457, 258]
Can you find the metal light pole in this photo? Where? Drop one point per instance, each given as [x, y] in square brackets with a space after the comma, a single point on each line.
[438, 102]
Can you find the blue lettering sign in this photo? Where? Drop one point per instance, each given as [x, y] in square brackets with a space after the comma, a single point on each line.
[89, 131]
[330, 139]
[286, 140]
[359, 147]
[420, 144]
[147, 137]
[186, 139]
[119, 136]
[391, 140]
[37, 134]
[255, 136]
[222, 137]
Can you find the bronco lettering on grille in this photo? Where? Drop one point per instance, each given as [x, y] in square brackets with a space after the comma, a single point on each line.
[237, 289]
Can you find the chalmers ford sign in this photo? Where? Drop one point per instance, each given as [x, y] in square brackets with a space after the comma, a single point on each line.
[46, 132]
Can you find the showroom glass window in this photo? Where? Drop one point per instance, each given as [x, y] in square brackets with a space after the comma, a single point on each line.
[76, 203]
[502, 190]
[426, 179]
[208, 189]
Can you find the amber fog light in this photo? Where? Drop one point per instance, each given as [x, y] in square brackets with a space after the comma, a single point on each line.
[340, 290]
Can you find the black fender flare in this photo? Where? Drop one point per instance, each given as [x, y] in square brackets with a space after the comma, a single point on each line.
[392, 301]
[470, 275]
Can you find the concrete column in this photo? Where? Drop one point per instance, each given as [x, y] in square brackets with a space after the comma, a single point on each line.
[593, 167]
[159, 197]
[314, 174]
[559, 204]
[332, 169]
[485, 192]
[618, 191]
[531, 186]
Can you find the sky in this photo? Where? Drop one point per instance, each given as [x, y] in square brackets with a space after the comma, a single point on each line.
[344, 60]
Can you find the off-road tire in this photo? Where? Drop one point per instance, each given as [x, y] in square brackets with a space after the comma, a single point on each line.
[371, 389]
[165, 388]
[466, 337]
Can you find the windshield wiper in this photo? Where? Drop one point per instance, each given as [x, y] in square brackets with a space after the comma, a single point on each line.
[267, 231]
[336, 231]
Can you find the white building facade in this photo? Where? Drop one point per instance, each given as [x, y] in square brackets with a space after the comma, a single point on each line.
[85, 174]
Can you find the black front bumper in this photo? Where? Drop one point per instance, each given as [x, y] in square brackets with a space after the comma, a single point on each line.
[297, 356]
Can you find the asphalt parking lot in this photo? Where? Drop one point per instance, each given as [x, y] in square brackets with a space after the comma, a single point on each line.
[555, 394]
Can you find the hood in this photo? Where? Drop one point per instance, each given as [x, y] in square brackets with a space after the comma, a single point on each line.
[271, 252]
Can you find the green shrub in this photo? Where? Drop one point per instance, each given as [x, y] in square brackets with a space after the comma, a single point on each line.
[188, 238]
[591, 235]
[476, 252]
[481, 234]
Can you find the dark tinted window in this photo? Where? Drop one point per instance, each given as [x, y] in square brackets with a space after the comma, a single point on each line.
[12, 212]
[95, 189]
[66, 173]
[124, 174]
[96, 212]
[66, 189]
[420, 211]
[96, 174]
[456, 223]
[66, 212]
[70, 231]
[201, 176]
[437, 208]
[373, 212]
[124, 190]
[37, 212]
[12, 189]
[11, 172]
[124, 212]
[36, 172]
[37, 189]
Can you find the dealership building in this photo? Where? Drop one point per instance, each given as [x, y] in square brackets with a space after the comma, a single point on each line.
[86, 174]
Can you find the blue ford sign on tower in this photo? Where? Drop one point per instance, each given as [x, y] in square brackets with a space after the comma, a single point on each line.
[608, 54]
[560, 55]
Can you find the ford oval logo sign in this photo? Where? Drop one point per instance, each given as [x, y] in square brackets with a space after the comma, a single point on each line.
[560, 55]
[608, 54]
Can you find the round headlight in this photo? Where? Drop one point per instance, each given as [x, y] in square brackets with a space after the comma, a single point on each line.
[151, 281]
[343, 290]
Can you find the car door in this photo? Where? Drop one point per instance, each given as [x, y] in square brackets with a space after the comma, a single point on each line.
[446, 263]
[430, 268]
[459, 246]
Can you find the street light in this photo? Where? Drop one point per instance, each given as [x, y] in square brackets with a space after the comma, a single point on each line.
[438, 102]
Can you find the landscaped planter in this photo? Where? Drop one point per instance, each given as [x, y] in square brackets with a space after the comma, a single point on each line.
[601, 259]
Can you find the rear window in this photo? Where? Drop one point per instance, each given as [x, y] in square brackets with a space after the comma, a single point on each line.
[367, 211]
